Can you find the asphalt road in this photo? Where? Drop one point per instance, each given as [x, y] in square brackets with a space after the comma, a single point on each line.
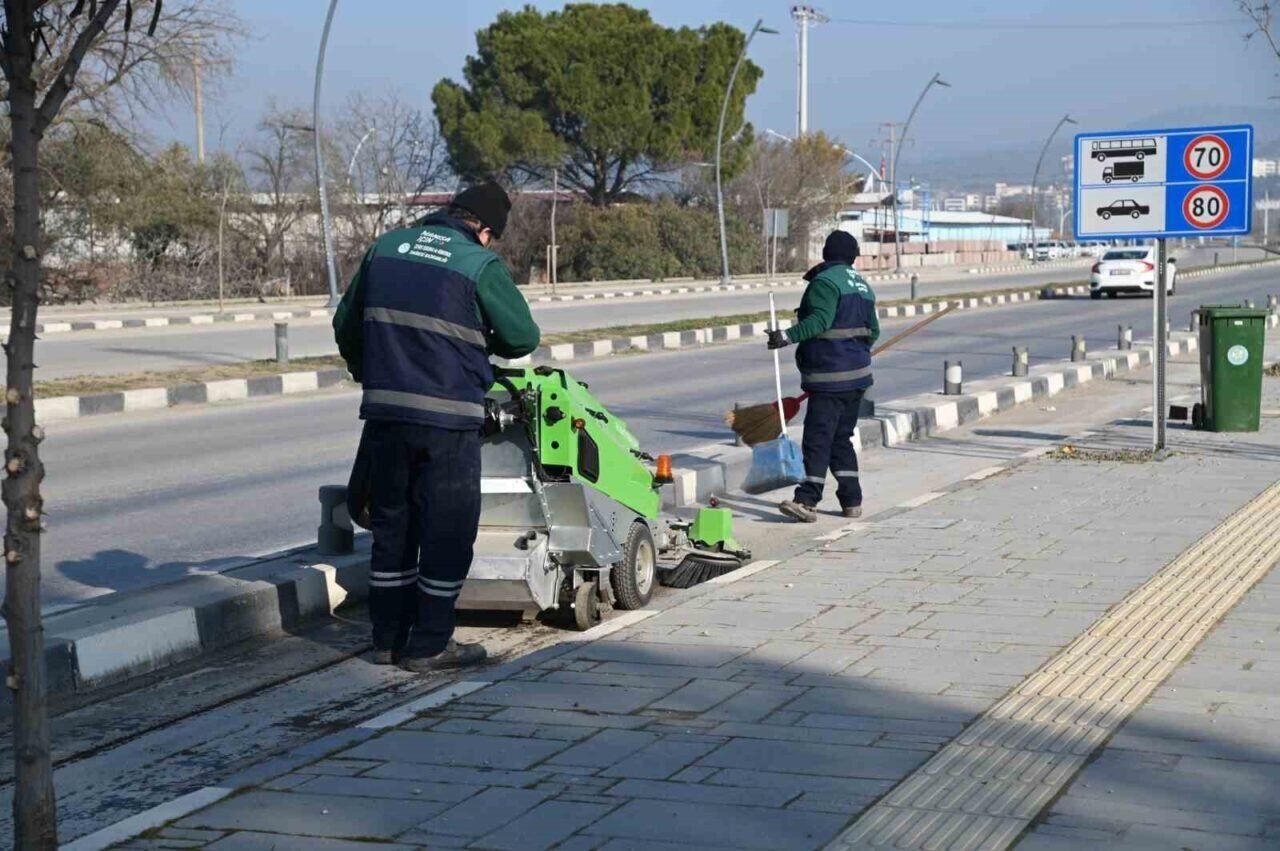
[139, 349]
[147, 498]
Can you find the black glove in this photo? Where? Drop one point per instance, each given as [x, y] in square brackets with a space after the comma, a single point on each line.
[778, 339]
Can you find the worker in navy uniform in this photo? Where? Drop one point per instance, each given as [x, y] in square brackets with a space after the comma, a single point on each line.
[835, 329]
[428, 306]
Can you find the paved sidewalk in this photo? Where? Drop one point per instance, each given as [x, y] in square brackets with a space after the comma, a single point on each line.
[786, 706]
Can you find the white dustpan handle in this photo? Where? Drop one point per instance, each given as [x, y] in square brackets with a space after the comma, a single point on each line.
[777, 369]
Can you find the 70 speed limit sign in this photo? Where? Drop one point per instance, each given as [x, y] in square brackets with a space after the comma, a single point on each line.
[1149, 184]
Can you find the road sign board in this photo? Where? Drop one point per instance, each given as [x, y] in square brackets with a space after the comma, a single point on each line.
[1148, 184]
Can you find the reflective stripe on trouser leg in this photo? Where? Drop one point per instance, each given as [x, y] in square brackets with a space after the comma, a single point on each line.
[448, 490]
[820, 421]
[393, 519]
[844, 457]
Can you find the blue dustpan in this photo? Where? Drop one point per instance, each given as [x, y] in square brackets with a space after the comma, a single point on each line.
[775, 463]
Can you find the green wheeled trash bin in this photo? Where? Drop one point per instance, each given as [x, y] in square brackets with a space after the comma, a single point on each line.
[1231, 354]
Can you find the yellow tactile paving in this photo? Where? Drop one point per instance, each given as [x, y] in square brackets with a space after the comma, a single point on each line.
[980, 791]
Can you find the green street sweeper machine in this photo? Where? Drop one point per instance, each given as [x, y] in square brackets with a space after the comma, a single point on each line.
[570, 508]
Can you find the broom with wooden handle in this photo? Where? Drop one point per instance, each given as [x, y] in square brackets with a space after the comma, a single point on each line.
[758, 423]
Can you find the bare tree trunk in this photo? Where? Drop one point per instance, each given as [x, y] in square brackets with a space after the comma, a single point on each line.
[35, 824]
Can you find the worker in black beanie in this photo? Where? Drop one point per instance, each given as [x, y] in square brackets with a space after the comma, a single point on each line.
[835, 329]
[428, 306]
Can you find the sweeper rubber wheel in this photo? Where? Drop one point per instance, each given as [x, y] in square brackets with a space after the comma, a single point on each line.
[697, 568]
[633, 579]
[586, 606]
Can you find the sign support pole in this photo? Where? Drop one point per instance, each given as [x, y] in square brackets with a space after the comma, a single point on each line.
[1160, 314]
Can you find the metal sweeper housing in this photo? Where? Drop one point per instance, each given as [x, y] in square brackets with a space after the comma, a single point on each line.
[569, 514]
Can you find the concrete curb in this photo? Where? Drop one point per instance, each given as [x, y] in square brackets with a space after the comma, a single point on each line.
[324, 312]
[61, 408]
[719, 469]
[122, 635]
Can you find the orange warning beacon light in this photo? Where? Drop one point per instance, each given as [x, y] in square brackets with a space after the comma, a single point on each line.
[663, 474]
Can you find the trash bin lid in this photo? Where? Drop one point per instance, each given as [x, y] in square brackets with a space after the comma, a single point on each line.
[1231, 311]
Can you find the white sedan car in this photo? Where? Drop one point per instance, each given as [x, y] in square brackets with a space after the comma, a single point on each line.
[1128, 270]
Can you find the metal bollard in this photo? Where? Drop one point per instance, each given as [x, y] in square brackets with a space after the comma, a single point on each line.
[1195, 320]
[282, 343]
[1077, 348]
[1215, 258]
[335, 536]
[952, 377]
[1020, 361]
[915, 279]
[1125, 338]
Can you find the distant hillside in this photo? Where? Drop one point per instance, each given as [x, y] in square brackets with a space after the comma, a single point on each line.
[978, 171]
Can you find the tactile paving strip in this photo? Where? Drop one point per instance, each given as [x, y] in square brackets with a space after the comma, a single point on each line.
[982, 790]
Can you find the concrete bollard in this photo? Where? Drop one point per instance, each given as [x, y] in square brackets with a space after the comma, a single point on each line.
[1271, 304]
[282, 343]
[1078, 350]
[1021, 361]
[1125, 340]
[952, 377]
[335, 535]
[915, 279]
[1248, 303]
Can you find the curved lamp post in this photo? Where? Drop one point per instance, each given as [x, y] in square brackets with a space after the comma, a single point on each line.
[935, 80]
[351, 166]
[1066, 119]
[724, 109]
[326, 225]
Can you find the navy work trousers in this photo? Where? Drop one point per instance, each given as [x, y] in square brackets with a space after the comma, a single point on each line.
[828, 426]
[424, 510]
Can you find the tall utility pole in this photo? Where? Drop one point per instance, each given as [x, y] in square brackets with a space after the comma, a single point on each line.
[804, 15]
[891, 141]
[326, 224]
[196, 62]
[724, 110]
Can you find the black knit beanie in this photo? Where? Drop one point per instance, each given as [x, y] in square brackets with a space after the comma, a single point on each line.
[488, 202]
[841, 247]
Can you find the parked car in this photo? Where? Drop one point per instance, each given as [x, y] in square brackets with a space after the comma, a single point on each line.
[1126, 207]
[1129, 270]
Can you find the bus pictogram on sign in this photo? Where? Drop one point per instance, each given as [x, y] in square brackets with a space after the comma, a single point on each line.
[1206, 207]
[1206, 157]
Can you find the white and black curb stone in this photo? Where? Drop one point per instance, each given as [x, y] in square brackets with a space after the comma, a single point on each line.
[134, 632]
[720, 469]
[324, 312]
[59, 408]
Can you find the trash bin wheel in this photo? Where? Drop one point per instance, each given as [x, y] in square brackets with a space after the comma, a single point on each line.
[633, 579]
[586, 606]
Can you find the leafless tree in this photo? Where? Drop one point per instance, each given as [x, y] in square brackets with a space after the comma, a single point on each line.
[279, 187]
[1262, 14]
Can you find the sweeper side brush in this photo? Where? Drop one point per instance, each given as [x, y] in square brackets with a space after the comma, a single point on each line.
[711, 550]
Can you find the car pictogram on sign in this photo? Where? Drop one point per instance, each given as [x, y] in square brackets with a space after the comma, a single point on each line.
[1206, 157]
[1126, 207]
[1206, 207]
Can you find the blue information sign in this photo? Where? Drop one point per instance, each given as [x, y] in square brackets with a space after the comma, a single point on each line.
[1148, 184]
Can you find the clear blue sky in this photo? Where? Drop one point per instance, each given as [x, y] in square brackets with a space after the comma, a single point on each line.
[1010, 85]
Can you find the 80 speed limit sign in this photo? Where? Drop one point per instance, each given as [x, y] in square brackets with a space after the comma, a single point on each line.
[1206, 207]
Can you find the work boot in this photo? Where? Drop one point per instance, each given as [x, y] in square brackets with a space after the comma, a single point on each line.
[798, 511]
[455, 655]
[852, 511]
[390, 655]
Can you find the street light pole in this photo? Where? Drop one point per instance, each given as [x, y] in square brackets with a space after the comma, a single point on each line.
[1066, 119]
[326, 225]
[935, 80]
[724, 109]
[351, 166]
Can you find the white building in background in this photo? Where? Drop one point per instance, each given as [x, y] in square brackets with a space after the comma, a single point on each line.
[1265, 167]
[954, 204]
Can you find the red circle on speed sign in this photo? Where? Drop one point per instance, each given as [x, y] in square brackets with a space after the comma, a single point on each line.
[1205, 207]
[1206, 157]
